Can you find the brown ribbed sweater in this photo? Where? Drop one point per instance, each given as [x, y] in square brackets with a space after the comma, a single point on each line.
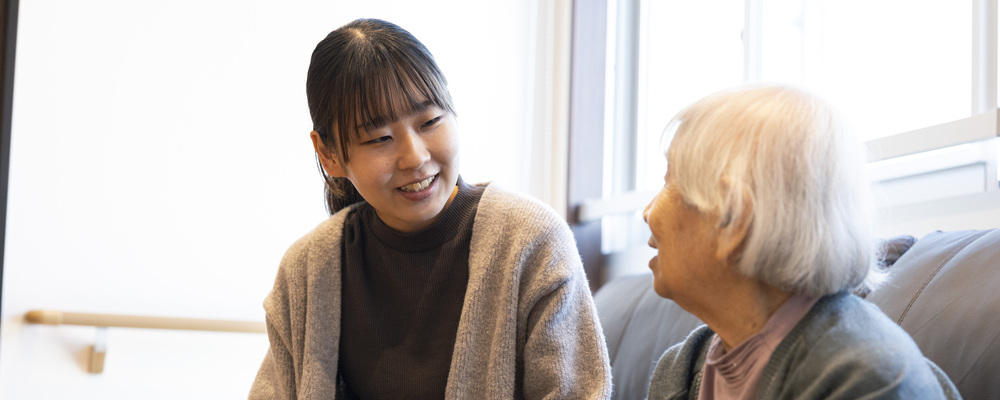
[402, 298]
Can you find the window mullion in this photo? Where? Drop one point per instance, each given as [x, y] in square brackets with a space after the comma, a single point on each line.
[984, 56]
[752, 39]
[984, 76]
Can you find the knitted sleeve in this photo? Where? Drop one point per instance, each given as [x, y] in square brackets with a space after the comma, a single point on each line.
[276, 377]
[303, 316]
[565, 356]
[560, 342]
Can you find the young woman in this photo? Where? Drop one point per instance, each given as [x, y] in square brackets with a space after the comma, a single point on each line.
[420, 285]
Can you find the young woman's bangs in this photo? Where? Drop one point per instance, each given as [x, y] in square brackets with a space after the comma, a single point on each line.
[384, 95]
[388, 99]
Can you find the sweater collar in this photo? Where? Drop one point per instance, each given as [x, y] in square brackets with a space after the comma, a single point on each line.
[434, 236]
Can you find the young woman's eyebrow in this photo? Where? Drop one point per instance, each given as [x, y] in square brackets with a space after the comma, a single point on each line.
[382, 121]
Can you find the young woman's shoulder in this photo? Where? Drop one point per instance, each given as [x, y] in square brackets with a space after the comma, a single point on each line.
[519, 232]
[321, 243]
[513, 209]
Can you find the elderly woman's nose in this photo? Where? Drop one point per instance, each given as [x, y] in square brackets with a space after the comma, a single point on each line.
[645, 212]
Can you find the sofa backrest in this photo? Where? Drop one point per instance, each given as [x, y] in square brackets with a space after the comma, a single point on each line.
[944, 290]
[638, 326]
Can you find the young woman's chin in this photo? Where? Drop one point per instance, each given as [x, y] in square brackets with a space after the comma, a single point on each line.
[415, 215]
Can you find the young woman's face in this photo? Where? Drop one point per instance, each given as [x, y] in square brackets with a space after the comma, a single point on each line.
[406, 169]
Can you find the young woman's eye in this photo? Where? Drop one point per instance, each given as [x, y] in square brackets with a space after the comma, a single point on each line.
[431, 123]
[380, 139]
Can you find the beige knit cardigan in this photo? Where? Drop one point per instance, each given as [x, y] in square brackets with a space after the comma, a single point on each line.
[528, 328]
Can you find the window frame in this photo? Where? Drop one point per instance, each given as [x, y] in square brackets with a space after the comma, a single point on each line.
[982, 125]
[8, 43]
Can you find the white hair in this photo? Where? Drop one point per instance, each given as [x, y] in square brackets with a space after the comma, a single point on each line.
[789, 161]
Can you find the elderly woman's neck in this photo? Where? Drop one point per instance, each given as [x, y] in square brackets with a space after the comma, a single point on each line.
[741, 310]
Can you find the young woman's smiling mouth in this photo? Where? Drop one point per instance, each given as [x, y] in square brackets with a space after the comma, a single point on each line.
[416, 187]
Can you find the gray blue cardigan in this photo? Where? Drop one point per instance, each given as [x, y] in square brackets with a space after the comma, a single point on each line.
[528, 327]
[844, 348]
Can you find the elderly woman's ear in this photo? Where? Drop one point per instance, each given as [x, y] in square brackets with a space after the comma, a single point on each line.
[734, 229]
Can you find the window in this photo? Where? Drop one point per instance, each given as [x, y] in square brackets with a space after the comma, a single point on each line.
[688, 50]
[916, 78]
[890, 66]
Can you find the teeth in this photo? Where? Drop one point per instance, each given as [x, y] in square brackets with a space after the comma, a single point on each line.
[416, 187]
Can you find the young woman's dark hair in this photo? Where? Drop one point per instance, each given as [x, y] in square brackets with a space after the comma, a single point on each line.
[479, 289]
[363, 75]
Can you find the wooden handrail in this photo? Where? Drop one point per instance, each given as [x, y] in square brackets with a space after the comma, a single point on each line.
[103, 321]
[50, 317]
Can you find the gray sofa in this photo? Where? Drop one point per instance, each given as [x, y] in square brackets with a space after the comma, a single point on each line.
[943, 289]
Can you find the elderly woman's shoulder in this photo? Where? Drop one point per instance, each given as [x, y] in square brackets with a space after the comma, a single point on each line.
[847, 345]
[846, 317]
[677, 370]
[846, 325]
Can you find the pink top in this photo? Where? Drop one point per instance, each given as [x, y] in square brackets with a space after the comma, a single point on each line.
[734, 375]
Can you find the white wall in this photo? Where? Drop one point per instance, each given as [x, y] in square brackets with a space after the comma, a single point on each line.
[160, 165]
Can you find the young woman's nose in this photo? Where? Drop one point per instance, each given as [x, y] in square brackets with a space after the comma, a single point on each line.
[412, 151]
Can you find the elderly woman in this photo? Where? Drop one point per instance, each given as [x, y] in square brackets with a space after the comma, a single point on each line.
[762, 230]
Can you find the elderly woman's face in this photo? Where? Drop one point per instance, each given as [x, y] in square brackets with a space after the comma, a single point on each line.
[685, 242]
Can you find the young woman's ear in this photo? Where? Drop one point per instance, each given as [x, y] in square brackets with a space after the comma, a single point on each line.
[330, 162]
